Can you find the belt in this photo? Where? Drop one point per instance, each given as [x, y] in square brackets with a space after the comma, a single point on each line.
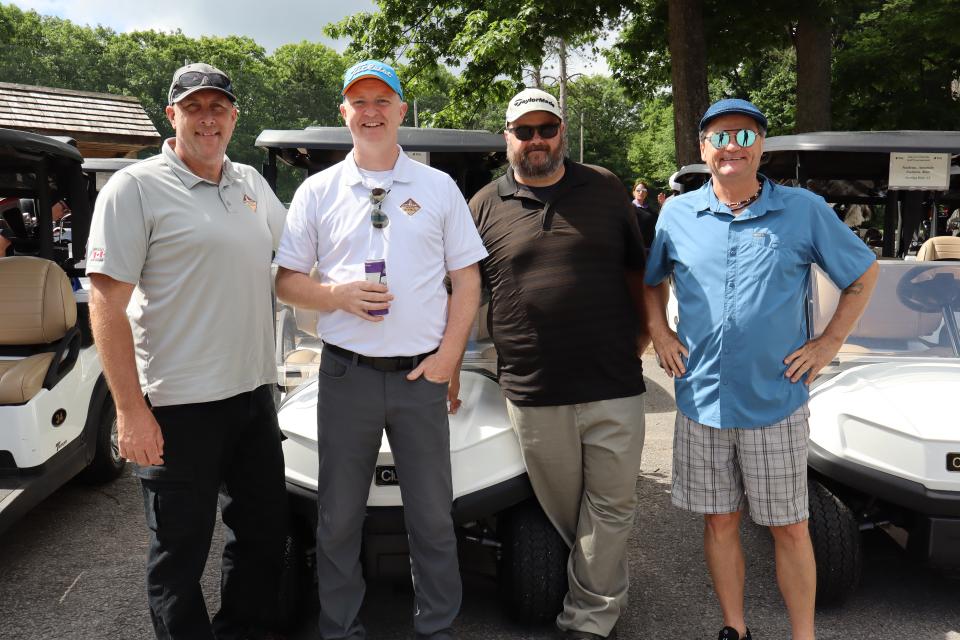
[399, 363]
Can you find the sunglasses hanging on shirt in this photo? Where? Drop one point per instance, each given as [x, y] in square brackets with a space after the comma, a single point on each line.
[378, 218]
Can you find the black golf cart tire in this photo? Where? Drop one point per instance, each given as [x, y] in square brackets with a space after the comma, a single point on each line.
[835, 534]
[106, 464]
[295, 579]
[533, 563]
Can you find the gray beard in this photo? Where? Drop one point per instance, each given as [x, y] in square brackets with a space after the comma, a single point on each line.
[525, 168]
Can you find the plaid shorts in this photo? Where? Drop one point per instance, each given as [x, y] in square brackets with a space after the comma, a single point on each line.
[722, 470]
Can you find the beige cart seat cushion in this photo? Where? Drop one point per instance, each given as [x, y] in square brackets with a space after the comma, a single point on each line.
[940, 248]
[20, 380]
[36, 301]
[37, 307]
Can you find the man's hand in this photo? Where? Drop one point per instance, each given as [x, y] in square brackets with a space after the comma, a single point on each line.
[361, 296]
[139, 436]
[453, 393]
[811, 358]
[438, 368]
[670, 352]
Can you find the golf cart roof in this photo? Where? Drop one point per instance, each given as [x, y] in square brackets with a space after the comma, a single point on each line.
[690, 177]
[469, 157]
[849, 155]
[410, 138]
[95, 165]
[23, 144]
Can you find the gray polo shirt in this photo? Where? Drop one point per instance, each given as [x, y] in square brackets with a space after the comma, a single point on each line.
[199, 254]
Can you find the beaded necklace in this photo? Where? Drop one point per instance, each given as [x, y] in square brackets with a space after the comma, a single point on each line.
[734, 206]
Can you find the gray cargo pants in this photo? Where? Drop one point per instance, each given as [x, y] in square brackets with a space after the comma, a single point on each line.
[355, 403]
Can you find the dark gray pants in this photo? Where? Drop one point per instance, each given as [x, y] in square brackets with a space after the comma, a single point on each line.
[355, 404]
[227, 450]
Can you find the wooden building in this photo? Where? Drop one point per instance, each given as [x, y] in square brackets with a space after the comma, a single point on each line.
[103, 125]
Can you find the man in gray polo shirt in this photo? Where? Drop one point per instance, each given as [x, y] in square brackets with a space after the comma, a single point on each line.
[189, 236]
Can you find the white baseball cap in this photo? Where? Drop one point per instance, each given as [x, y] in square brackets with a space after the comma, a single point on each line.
[532, 100]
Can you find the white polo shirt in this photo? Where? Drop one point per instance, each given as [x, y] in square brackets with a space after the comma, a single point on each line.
[199, 253]
[430, 233]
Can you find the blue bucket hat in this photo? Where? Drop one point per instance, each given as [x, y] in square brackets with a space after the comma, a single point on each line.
[372, 69]
[733, 105]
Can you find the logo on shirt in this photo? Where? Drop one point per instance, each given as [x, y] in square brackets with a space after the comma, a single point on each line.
[250, 202]
[97, 254]
[410, 207]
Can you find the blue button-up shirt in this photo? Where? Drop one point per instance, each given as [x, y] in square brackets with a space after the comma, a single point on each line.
[741, 284]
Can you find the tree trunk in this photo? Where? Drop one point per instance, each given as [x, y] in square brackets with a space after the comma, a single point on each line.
[813, 45]
[688, 72]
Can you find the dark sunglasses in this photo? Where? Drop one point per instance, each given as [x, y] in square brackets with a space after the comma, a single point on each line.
[378, 218]
[744, 137]
[525, 132]
[200, 79]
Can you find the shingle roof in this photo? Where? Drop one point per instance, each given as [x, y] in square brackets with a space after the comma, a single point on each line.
[83, 115]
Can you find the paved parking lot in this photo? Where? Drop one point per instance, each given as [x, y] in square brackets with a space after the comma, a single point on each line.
[73, 569]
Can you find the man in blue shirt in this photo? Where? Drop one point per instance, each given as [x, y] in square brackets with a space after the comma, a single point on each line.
[739, 250]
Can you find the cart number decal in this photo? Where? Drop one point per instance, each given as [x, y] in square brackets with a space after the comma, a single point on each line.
[953, 462]
[386, 476]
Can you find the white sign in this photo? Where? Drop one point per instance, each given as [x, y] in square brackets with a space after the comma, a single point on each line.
[422, 157]
[930, 171]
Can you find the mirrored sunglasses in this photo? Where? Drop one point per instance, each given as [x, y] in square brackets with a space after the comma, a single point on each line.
[744, 138]
[525, 132]
[378, 218]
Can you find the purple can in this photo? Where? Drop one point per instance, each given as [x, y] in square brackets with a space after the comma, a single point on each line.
[376, 271]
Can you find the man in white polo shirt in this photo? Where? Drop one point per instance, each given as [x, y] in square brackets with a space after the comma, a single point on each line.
[383, 369]
[189, 235]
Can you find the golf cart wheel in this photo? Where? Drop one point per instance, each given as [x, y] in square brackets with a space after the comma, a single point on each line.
[107, 462]
[295, 579]
[533, 563]
[836, 545]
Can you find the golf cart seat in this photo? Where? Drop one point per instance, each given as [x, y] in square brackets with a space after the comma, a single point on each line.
[940, 248]
[39, 339]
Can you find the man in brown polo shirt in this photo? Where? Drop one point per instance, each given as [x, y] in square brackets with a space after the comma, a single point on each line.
[565, 271]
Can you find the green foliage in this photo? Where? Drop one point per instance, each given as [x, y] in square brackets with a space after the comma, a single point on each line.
[651, 152]
[489, 41]
[897, 68]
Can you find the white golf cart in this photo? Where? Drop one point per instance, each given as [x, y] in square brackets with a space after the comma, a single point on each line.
[494, 508]
[884, 426]
[57, 416]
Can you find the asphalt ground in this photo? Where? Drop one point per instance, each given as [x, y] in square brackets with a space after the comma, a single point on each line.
[73, 569]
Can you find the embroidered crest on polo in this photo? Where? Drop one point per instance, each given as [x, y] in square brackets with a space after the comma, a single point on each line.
[250, 202]
[410, 207]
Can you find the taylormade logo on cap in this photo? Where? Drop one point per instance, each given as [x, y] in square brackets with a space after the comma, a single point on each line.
[532, 100]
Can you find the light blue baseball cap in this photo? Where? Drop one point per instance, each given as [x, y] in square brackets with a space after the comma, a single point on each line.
[372, 69]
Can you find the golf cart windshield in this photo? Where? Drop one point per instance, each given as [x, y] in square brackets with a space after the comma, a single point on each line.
[913, 313]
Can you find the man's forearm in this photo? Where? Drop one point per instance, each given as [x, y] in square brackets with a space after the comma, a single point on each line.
[464, 302]
[853, 301]
[300, 290]
[655, 300]
[114, 340]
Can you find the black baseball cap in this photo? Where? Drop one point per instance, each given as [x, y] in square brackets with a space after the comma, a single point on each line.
[196, 77]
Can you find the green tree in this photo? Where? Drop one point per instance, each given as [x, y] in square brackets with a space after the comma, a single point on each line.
[489, 42]
[898, 67]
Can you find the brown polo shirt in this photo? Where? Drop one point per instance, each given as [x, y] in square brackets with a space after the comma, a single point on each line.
[561, 316]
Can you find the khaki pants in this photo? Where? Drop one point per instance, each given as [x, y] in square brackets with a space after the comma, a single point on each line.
[583, 461]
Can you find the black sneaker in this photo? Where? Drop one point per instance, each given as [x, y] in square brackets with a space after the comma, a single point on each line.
[729, 633]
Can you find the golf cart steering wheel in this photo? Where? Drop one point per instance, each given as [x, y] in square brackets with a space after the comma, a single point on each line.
[930, 289]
